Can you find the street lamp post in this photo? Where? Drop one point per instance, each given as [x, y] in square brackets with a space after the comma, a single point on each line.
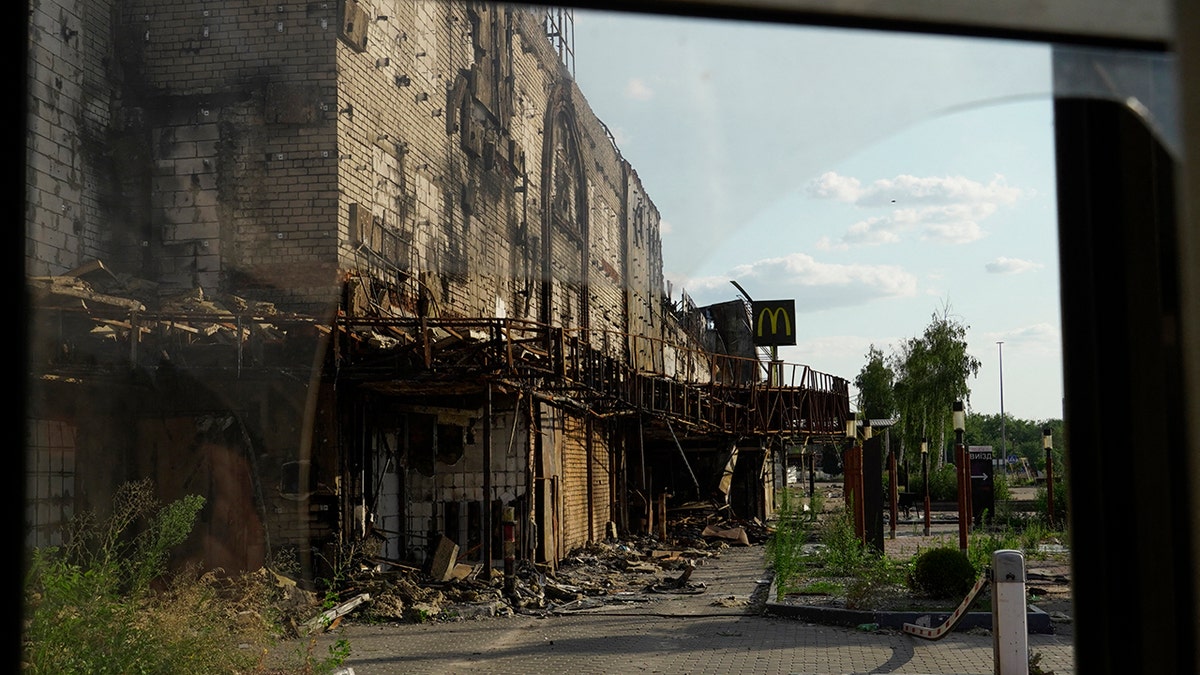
[893, 487]
[1048, 444]
[852, 471]
[925, 478]
[812, 479]
[861, 508]
[963, 471]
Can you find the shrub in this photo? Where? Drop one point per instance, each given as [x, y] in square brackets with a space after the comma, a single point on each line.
[91, 607]
[1060, 501]
[785, 546]
[983, 544]
[943, 573]
[844, 553]
[943, 483]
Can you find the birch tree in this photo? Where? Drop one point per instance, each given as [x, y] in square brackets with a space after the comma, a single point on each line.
[931, 374]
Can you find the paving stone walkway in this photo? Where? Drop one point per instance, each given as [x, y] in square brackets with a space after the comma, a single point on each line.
[722, 630]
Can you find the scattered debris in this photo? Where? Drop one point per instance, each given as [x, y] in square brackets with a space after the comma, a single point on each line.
[444, 560]
[612, 573]
[731, 601]
[737, 534]
[329, 618]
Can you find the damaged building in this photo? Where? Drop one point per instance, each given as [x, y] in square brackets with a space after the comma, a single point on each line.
[367, 273]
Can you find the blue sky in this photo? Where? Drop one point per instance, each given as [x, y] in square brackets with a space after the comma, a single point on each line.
[874, 178]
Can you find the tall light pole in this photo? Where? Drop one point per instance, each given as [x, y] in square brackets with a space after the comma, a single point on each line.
[963, 471]
[1048, 444]
[1003, 440]
[925, 479]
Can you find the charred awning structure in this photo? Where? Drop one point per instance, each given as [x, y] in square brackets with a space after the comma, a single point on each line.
[370, 276]
[410, 424]
[581, 443]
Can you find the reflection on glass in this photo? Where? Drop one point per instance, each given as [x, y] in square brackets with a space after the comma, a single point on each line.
[375, 277]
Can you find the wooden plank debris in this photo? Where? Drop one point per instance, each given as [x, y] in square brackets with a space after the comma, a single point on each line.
[737, 534]
[444, 560]
[330, 617]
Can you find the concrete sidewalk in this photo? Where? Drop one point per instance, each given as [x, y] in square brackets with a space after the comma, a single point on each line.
[720, 631]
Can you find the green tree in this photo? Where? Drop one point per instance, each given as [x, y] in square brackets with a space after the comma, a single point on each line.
[876, 386]
[931, 374]
[1021, 437]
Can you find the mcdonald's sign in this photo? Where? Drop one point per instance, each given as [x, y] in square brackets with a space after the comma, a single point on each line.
[774, 322]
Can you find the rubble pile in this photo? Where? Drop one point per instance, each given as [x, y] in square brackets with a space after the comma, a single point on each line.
[614, 572]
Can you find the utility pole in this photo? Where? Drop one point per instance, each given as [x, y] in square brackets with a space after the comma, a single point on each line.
[1003, 439]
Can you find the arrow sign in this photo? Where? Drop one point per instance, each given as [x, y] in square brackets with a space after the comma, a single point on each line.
[983, 477]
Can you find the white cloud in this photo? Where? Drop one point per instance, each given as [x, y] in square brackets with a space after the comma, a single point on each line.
[638, 90]
[1004, 265]
[665, 227]
[942, 209]
[1037, 332]
[905, 190]
[830, 185]
[815, 285]
[872, 231]
[1036, 338]
[960, 232]
[825, 243]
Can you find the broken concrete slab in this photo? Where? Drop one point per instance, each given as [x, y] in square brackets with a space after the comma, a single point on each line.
[736, 535]
[461, 571]
[444, 560]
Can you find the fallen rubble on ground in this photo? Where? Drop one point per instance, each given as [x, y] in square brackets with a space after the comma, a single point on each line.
[614, 572]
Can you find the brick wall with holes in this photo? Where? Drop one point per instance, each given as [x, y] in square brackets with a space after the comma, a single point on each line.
[270, 149]
[71, 191]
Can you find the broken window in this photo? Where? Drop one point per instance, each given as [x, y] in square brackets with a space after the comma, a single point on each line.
[449, 443]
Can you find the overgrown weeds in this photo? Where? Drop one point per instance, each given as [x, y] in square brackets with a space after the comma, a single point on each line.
[106, 603]
[828, 558]
[785, 549]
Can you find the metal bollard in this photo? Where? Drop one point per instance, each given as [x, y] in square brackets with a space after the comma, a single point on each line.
[1010, 632]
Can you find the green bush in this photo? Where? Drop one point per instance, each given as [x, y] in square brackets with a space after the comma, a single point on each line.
[1001, 493]
[943, 483]
[1060, 501]
[90, 607]
[784, 548]
[942, 573]
[844, 554]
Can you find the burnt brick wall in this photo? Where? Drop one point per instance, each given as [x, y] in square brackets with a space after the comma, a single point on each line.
[272, 149]
[70, 187]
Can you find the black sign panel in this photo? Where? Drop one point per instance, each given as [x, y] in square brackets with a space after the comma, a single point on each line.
[774, 322]
[983, 487]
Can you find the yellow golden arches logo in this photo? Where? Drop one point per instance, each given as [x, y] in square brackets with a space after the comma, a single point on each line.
[774, 322]
[775, 315]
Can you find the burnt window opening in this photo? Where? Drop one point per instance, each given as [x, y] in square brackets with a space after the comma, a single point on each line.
[492, 82]
[298, 480]
[422, 443]
[353, 28]
[450, 443]
[565, 180]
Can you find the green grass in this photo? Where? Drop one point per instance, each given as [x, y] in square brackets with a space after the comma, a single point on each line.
[840, 565]
[105, 603]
